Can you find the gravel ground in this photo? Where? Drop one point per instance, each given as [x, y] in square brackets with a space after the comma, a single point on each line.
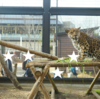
[68, 91]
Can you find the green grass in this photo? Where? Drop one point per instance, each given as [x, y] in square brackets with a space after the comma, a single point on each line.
[87, 60]
[97, 91]
[67, 59]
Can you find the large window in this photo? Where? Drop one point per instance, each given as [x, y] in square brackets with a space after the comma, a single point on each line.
[27, 27]
[22, 30]
[88, 24]
[24, 26]
[67, 22]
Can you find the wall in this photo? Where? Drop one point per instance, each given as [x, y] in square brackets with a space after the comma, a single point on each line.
[65, 46]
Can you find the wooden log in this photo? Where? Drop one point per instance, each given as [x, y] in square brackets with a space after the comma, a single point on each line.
[38, 72]
[9, 74]
[96, 95]
[42, 87]
[59, 64]
[35, 95]
[38, 82]
[15, 69]
[93, 82]
[53, 94]
[3, 43]
[0, 70]
[94, 71]
[53, 84]
[34, 89]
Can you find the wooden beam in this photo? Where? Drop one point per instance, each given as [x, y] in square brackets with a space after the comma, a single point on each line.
[53, 94]
[60, 64]
[94, 71]
[35, 95]
[3, 43]
[38, 82]
[96, 95]
[11, 76]
[34, 89]
[42, 87]
[52, 82]
[93, 82]
[15, 69]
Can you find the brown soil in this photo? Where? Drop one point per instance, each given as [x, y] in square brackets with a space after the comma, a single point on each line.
[7, 91]
[82, 75]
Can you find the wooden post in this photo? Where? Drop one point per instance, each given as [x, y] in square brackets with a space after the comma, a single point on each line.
[38, 82]
[53, 94]
[15, 69]
[93, 82]
[42, 87]
[9, 74]
[53, 84]
[35, 95]
[95, 94]
[94, 71]
[38, 72]
[0, 69]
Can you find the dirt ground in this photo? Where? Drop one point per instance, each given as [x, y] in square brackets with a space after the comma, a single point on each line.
[68, 91]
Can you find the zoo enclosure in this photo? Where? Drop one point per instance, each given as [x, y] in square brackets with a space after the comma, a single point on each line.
[46, 11]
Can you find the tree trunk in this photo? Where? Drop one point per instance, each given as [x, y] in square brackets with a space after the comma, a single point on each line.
[9, 73]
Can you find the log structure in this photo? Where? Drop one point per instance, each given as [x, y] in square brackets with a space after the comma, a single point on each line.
[53, 94]
[95, 94]
[11, 75]
[58, 64]
[39, 82]
[39, 75]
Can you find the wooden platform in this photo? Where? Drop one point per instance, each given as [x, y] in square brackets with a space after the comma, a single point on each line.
[45, 65]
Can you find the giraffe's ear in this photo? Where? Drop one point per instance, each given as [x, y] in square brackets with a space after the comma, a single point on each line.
[66, 31]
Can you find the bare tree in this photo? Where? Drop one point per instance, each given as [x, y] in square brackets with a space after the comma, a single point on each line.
[27, 28]
[30, 27]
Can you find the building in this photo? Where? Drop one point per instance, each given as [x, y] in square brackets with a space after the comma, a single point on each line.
[25, 30]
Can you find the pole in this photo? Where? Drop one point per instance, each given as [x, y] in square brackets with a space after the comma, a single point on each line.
[56, 29]
[3, 43]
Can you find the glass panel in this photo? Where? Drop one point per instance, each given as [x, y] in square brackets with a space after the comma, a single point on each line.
[76, 3]
[89, 24]
[53, 3]
[22, 30]
[33, 3]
